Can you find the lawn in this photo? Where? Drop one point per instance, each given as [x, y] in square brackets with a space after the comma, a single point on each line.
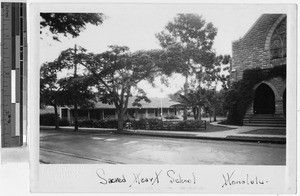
[215, 128]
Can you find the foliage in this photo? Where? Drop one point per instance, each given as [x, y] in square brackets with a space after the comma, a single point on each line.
[49, 119]
[188, 40]
[151, 124]
[241, 93]
[69, 23]
[78, 88]
[98, 123]
[213, 74]
[157, 124]
[75, 89]
[49, 88]
[117, 72]
[171, 117]
[50, 91]
[194, 99]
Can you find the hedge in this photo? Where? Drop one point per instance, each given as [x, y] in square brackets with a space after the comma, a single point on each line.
[152, 124]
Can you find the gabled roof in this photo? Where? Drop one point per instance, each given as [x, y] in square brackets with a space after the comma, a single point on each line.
[265, 22]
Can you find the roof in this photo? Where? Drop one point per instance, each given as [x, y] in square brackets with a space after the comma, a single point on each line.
[156, 102]
[47, 109]
[265, 21]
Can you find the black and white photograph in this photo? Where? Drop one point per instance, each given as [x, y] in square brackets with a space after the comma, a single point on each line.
[153, 86]
[183, 97]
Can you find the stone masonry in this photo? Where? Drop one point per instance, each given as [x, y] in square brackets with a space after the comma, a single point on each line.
[264, 46]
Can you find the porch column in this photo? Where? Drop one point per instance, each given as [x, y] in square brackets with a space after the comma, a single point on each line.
[137, 113]
[60, 112]
[279, 107]
[68, 114]
[102, 114]
[146, 113]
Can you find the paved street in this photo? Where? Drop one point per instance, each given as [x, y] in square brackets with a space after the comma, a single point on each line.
[69, 147]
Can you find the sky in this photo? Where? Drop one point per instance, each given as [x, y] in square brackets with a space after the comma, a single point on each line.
[135, 26]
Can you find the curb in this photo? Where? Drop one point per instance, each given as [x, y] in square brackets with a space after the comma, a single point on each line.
[233, 138]
[228, 138]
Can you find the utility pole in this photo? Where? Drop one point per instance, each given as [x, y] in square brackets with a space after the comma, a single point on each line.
[75, 97]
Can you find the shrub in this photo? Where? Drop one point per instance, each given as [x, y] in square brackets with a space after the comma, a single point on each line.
[171, 117]
[98, 123]
[47, 119]
[64, 122]
[157, 124]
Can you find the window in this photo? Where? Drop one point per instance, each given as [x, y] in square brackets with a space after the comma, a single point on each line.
[278, 42]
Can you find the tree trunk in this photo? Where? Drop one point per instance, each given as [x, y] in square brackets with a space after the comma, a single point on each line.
[185, 94]
[209, 116]
[215, 115]
[120, 121]
[56, 117]
[199, 113]
[195, 113]
[75, 98]
[75, 115]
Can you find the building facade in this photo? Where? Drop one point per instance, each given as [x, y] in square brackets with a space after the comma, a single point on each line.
[158, 108]
[263, 46]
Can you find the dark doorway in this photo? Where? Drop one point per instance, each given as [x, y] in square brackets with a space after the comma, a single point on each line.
[284, 102]
[264, 101]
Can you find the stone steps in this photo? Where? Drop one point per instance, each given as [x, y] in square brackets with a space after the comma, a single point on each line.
[264, 125]
[264, 120]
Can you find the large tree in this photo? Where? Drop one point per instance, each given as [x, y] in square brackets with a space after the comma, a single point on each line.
[188, 40]
[77, 87]
[117, 72]
[50, 90]
[68, 23]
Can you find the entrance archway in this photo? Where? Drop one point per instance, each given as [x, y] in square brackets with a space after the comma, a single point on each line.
[264, 100]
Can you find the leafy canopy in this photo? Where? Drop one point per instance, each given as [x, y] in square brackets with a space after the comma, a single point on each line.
[117, 72]
[69, 23]
[188, 41]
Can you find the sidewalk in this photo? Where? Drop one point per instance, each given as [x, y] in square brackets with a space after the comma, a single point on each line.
[238, 133]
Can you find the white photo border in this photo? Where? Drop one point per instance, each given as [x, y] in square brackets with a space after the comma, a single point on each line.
[84, 178]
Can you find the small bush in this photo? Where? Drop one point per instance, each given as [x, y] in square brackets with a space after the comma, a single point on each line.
[171, 117]
[64, 122]
[47, 119]
[98, 123]
[157, 124]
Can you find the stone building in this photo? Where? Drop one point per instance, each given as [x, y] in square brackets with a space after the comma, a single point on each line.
[263, 46]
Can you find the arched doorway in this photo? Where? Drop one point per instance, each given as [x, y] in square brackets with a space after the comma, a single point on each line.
[264, 100]
[284, 102]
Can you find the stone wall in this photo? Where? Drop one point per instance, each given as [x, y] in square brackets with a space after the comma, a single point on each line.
[257, 49]
[253, 50]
